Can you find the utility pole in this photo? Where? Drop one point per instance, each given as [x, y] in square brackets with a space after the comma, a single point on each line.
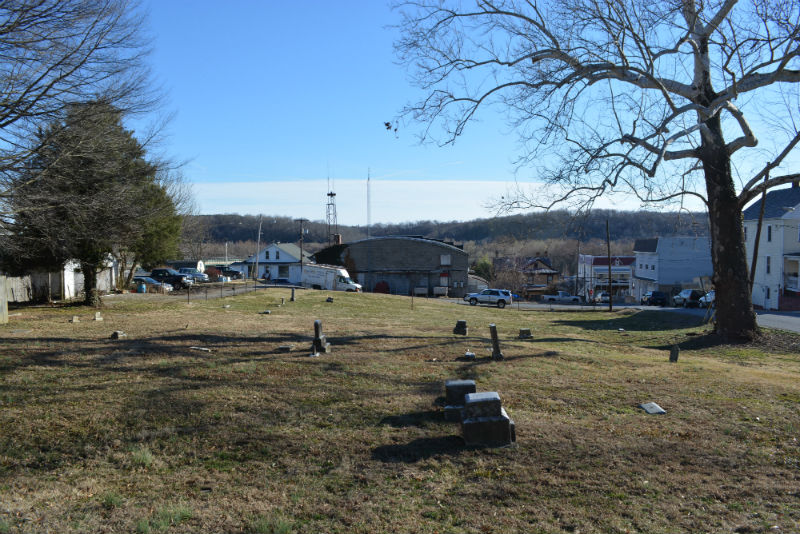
[301, 221]
[258, 248]
[608, 249]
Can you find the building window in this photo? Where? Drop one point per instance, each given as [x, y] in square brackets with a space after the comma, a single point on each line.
[653, 267]
[768, 264]
[277, 254]
[444, 259]
[767, 293]
[769, 232]
[266, 254]
[745, 233]
[283, 271]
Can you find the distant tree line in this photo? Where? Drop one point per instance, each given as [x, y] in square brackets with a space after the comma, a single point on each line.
[624, 225]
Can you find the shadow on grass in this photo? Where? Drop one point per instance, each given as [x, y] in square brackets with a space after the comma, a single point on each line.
[413, 419]
[419, 449]
[645, 321]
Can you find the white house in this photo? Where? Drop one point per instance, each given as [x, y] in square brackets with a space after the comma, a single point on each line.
[593, 275]
[775, 284]
[670, 264]
[278, 260]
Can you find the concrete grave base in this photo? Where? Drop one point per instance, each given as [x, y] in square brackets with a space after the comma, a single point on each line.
[493, 431]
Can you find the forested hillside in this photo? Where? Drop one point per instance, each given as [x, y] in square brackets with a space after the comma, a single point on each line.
[624, 225]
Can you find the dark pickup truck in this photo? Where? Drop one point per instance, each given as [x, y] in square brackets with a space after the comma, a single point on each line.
[171, 277]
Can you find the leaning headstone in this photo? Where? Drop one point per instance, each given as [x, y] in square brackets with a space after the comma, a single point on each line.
[75, 319]
[320, 343]
[461, 328]
[525, 333]
[652, 408]
[118, 334]
[674, 352]
[98, 316]
[496, 354]
[454, 392]
[485, 421]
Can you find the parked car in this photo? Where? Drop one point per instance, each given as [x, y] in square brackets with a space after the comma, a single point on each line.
[562, 297]
[654, 298]
[172, 277]
[708, 299]
[602, 297]
[494, 297]
[151, 284]
[688, 298]
[194, 274]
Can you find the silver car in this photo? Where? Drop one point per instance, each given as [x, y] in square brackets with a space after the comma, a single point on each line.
[493, 297]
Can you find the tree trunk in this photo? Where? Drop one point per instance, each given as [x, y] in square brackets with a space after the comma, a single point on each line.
[92, 296]
[736, 319]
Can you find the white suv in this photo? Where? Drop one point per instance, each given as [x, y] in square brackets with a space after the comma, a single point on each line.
[497, 297]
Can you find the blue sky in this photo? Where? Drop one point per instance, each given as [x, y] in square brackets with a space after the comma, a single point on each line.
[272, 98]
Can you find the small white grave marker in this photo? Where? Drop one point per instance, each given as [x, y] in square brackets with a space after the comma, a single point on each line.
[652, 408]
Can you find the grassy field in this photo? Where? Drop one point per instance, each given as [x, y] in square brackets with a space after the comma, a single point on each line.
[151, 434]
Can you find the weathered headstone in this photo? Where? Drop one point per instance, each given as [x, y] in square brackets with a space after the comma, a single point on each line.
[461, 328]
[75, 319]
[485, 422]
[292, 298]
[496, 353]
[320, 344]
[454, 392]
[98, 316]
[525, 333]
[674, 352]
[283, 301]
[652, 408]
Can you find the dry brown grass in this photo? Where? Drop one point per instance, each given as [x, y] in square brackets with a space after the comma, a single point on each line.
[147, 434]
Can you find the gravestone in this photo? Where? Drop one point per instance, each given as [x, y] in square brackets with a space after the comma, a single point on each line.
[118, 334]
[454, 392]
[75, 319]
[329, 299]
[525, 333]
[468, 356]
[496, 354]
[285, 348]
[283, 301]
[652, 408]
[98, 316]
[292, 298]
[484, 421]
[320, 344]
[461, 328]
[265, 312]
[674, 352]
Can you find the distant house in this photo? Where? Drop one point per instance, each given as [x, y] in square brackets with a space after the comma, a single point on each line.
[775, 284]
[278, 260]
[401, 265]
[536, 273]
[670, 264]
[593, 275]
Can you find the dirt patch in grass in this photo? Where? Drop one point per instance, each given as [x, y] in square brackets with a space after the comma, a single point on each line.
[148, 434]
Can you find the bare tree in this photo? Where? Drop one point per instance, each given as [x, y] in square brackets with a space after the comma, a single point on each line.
[624, 94]
[56, 53]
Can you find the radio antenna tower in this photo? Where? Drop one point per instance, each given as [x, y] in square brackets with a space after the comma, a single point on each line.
[330, 214]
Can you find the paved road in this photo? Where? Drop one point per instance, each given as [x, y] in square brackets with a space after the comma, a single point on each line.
[780, 320]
